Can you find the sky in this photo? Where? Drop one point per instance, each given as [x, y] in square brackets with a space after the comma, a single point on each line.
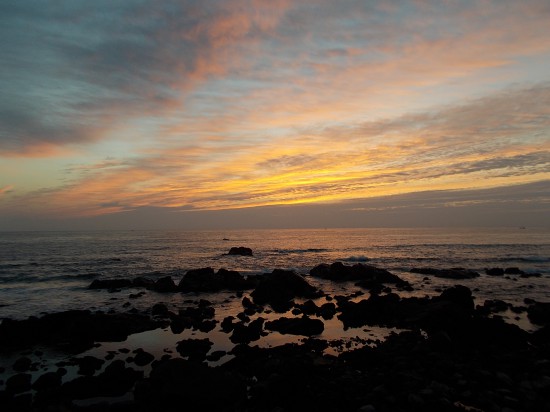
[247, 113]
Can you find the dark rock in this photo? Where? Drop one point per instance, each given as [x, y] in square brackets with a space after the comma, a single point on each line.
[143, 358]
[143, 282]
[206, 280]
[165, 284]
[194, 349]
[359, 272]
[18, 383]
[47, 381]
[493, 306]
[280, 287]
[88, 365]
[193, 317]
[296, 326]
[216, 355]
[513, 271]
[308, 307]
[116, 380]
[495, 272]
[247, 333]
[327, 310]
[197, 386]
[531, 275]
[74, 330]
[159, 309]
[539, 313]
[449, 310]
[241, 251]
[227, 324]
[22, 364]
[454, 273]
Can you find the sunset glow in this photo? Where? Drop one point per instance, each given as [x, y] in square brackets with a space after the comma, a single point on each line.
[108, 107]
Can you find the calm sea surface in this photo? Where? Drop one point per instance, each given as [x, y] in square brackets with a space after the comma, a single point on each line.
[50, 271]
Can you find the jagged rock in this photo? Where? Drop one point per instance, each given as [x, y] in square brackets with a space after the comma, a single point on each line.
[142, 358]
[206, 280]
[165, 284]
[241, 251]
[247, 333]
[88, 365]
[194, 349]
[367, 276]
[280, 287]
[495, 272]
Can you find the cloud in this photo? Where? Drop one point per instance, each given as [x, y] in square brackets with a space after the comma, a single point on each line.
[459, 147]
[5, 190]
[513, 206]
[78, 74]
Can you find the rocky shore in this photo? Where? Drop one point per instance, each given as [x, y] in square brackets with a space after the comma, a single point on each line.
[449, 354]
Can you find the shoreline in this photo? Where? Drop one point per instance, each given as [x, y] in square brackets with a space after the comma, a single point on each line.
[278, 351]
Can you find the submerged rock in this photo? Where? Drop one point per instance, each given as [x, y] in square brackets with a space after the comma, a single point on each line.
[454, 273]
[297, 326]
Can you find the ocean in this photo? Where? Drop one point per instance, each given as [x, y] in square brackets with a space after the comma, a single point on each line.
[45, 272]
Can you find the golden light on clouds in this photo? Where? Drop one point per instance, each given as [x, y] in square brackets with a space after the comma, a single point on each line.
[248, 103]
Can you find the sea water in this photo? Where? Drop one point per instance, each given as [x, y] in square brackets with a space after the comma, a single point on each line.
[45, 272]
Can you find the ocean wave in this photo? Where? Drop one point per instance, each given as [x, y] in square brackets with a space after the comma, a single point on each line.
[528, 259]
[360, 258]
[28, 278]
[299, 251]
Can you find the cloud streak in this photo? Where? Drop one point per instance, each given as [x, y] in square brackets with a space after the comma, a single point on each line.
[493, 141]
[208, 105]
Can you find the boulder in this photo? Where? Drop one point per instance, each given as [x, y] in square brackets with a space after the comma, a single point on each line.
[247, 333]
[240, 250]
[206, 280]
[539, 313]
[494, 272]
[194, 385]
[368, 275]
[280, 287]
[164, 284]
[194, 349]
